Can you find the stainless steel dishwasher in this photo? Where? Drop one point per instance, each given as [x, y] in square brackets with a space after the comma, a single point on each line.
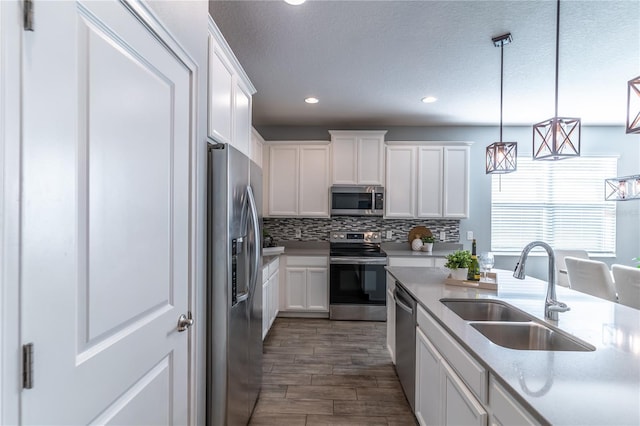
[406, 342]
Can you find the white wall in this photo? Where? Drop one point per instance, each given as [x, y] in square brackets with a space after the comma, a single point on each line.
[595, 140]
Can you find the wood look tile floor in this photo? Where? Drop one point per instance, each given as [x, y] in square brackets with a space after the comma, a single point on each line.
[322, 372]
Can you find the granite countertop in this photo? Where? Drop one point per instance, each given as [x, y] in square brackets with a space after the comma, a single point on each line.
[404, 250]
[560, 387]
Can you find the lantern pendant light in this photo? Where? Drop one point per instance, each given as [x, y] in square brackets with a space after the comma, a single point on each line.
[559, 137]
[633, 105]
[501, 156]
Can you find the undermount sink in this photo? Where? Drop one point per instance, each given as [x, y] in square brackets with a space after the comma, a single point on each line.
[508, 326]
[485, 310]
[530, 336]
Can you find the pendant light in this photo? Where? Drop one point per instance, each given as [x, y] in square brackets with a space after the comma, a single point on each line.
[623, 188]
[633, 106]
[501, 156]
[559, 137]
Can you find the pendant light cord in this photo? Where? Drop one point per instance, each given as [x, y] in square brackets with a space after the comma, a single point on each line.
[557, 50]
[501, 84]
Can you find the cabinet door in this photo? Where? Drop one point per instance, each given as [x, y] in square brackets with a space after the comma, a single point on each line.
[266, 300]
[241, 118]
[296, 289]
[370, 154]
[505, 410]
[400, 182]
[220, 94]
[283, 180]
[428, 382]
[460, 407]
[255, 149]
[429, 181]
[314, 181]
[317, 289]
[275, 291]
[456, 182]
[344, 160]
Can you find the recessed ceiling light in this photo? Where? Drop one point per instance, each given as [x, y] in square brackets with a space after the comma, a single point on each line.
[294, 2]
[311, 100]
[429, 99]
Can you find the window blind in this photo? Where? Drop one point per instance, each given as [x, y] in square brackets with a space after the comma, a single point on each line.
[558, 202]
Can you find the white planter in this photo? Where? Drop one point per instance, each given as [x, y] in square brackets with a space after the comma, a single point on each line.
[459, 274]
[428, 247]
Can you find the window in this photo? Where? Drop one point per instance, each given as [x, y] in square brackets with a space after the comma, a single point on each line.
[558, 202]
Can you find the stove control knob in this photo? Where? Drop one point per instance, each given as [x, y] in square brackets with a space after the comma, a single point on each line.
[342, 236]
[375, 236]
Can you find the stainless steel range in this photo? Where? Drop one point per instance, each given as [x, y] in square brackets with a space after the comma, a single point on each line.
[358, 283]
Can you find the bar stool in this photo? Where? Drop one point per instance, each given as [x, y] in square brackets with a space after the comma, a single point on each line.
[591, 277]
[627, 285]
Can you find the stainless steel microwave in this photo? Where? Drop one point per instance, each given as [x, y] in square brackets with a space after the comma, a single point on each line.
[357, 200]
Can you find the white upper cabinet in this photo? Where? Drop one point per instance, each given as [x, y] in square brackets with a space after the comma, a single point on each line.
[256, 147]
[358, 157]
[298, 176]
[429, 184]
[229, 95]
[427, 180]
[283, 180]
[456, 181]
[401, 181]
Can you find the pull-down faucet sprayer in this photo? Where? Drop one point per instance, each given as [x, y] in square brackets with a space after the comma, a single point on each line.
[551, 305]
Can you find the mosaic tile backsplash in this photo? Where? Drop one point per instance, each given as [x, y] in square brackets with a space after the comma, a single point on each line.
[286, 229]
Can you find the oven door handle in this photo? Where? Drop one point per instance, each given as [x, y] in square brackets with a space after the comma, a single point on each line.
[358, 261]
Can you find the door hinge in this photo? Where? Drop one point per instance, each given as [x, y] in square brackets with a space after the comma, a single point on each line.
[28, 15]
[27, 366]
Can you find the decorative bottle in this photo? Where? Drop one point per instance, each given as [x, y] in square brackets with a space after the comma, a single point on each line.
[474, 268]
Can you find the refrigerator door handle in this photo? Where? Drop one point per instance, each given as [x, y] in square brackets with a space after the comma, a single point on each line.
[258, 238]
[242, 297]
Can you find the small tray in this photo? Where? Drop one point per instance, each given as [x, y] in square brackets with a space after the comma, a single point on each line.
[488, 283]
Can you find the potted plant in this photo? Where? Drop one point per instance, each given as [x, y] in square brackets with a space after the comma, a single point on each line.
[427, 243]
[459, 262]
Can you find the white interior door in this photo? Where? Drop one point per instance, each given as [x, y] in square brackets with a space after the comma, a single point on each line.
[105, 218]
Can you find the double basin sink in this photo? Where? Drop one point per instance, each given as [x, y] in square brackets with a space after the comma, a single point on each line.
[512, 328]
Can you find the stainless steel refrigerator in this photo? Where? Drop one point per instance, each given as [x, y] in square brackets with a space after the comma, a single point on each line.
[234, 296]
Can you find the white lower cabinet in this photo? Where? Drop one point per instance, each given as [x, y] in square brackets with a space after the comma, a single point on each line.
[505, 410]
[428, 383]
[270, 294]
[453, 388]
[306, 284]
[450, 385]
[460, 407]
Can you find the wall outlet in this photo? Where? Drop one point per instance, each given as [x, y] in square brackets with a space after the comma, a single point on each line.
[469, 235]
[389, 234]
[298, 233]
[443, 235]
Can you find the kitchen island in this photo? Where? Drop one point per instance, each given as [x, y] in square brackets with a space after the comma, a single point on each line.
[600, 387]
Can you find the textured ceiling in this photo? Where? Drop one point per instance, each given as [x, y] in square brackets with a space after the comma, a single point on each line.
[370, 62]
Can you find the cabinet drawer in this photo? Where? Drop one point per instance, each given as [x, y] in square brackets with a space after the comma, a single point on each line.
[307, 261]
[411, 261]
[472, 372]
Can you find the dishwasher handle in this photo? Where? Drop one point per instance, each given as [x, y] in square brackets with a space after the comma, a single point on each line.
[401, 303]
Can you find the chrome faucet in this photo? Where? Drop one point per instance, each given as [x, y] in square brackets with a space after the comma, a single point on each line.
[551, 305]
